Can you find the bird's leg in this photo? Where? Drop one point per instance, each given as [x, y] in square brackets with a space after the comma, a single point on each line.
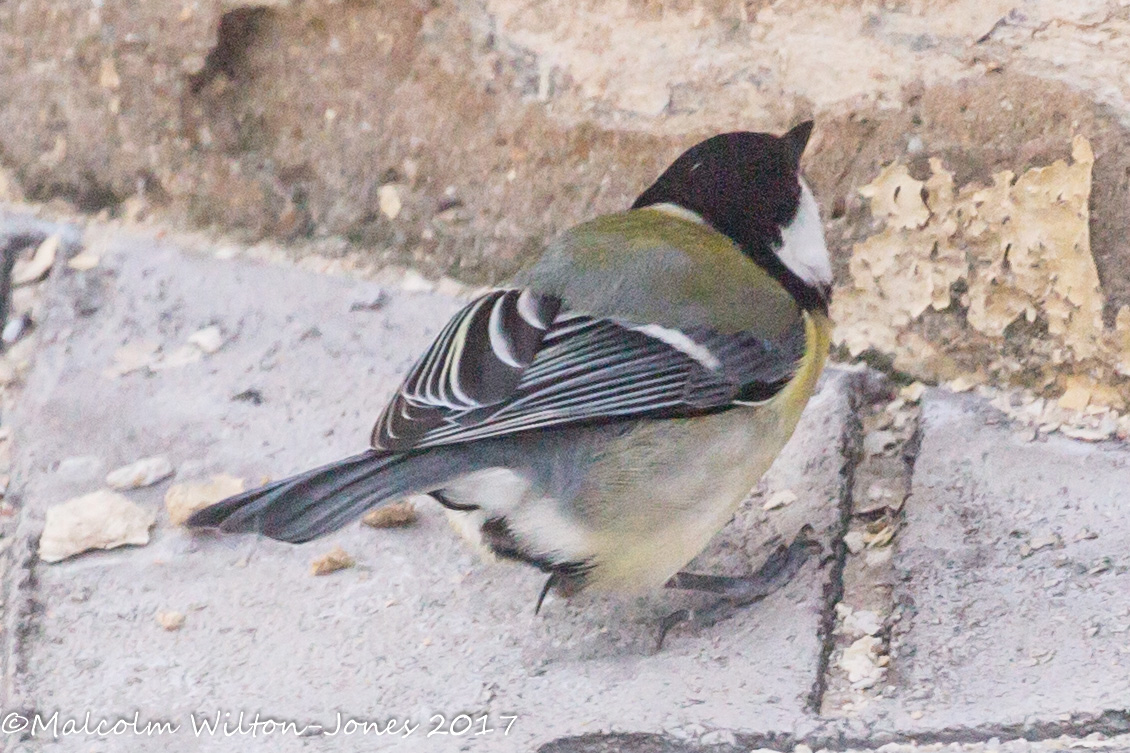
[740, 591]
[777, 570]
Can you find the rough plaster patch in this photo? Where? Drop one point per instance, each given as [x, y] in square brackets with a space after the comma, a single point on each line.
[989, 257]
[632, 58]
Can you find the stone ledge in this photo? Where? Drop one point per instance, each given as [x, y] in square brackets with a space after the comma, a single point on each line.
[419, 626]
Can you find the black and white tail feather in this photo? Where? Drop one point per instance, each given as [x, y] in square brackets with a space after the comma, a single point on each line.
[511, 362]
[306, 506]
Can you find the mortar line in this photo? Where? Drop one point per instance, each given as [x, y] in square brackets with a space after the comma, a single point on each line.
[835, 737]
[20, 610]
[851, 450]
[9, 594]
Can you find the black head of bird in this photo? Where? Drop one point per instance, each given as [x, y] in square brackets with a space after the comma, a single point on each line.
[748, 187]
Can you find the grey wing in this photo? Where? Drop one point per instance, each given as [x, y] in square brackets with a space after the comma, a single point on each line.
[512, 361]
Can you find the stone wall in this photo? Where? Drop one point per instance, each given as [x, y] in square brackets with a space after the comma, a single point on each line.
[455, 136]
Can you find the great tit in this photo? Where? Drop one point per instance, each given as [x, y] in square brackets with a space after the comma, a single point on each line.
[603, 416]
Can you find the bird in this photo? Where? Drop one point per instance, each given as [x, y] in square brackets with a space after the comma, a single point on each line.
[603, 415]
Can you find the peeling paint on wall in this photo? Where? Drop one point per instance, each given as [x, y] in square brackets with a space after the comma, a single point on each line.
[986, 283]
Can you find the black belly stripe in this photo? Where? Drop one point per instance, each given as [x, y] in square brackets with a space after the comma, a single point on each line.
[569, 577]
[501, 540]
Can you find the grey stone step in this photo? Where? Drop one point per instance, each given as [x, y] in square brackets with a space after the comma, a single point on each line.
[1015, 579]
[421, 626]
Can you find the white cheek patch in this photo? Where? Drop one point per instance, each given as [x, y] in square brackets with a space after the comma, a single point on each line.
[802, 242]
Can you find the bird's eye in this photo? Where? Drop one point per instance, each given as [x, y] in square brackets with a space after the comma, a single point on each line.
[696, 166]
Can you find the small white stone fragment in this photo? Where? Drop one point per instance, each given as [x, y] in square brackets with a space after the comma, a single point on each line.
[133, 356]
[859, 660]
[855, 541]
[1100, 434]
[332, 561]
[912, 393]
[182, 356]
[691, 731]
[962, 383]
[1076, 397]
[37, 267]
[15, 328]
[1042, 542]
[397, 515]
[209, 339]
[388, 197]
[880, 538]
[862, 622]
[780, 498]
[414, 282]
[101, 520]
[84, 261]
[370, 298]
[139, 473]
[722, 737]
[181, 500]
[170, 620]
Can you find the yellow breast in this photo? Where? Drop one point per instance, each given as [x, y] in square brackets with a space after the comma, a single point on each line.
[671, 485]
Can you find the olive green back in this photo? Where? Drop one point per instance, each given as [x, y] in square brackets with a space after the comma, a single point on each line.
[650, 267]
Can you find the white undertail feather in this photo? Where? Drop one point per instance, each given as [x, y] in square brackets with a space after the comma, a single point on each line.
[802, 242]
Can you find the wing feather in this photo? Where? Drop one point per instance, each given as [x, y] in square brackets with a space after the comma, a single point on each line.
[512, 361]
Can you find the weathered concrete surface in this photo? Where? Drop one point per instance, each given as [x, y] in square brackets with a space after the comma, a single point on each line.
[420, 626]
[656, 744]
[1013, 600]
[1015, 597]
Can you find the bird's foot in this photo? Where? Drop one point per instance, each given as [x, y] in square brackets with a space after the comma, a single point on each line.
[556, 583]
[737, 592]
[565, 580]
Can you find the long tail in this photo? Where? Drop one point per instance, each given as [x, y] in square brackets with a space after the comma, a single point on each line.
[323, 500]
